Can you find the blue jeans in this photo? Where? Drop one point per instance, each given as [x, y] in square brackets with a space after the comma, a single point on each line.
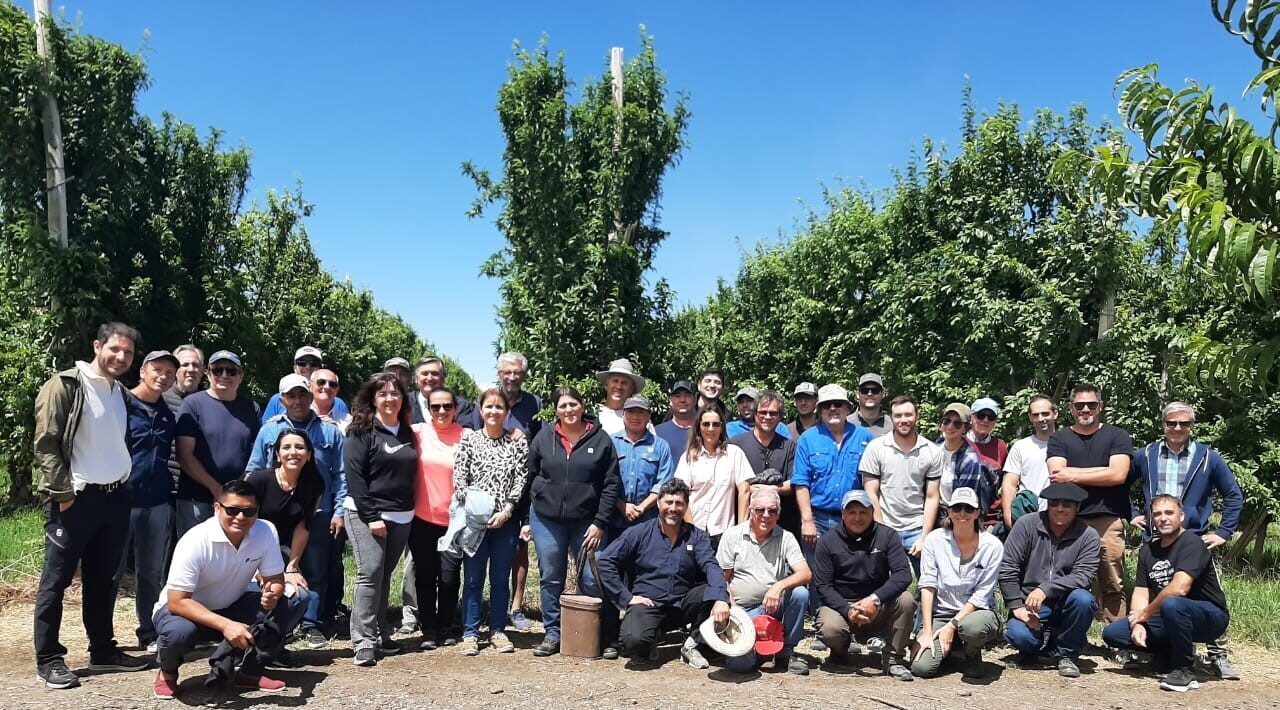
[150, 530]
[824, 521]
[1174, 630]
[496, 551]
[791, 614]
[1068, 621]
[909, 538]
[322, 554]
[554, 540]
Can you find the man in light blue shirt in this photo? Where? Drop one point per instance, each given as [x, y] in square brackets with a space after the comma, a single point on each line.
[644, 462]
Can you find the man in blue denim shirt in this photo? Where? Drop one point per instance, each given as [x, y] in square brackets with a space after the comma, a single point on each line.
[322, 552]
[826, 466]
[644, 462]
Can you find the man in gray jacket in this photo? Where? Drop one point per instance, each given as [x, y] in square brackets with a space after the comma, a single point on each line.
[1050, 562]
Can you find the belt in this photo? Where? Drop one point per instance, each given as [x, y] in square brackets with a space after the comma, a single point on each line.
[107, 487]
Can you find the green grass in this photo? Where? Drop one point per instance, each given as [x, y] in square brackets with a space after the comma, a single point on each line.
[21, 538]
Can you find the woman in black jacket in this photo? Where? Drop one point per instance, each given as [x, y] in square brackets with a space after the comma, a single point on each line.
[573, 487]
[381, 461]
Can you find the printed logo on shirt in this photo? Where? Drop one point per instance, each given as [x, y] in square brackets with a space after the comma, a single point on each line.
[590, 450]
[1161, 573]
[392, 449]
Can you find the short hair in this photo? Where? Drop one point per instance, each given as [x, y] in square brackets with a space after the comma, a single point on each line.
[760, 492]
[1084, 387]
[514, 358]
[493, 392]
[565, 391]
[713, 371]
[1167, 497]
[674, 487]
[903, 399]
[116, 328]
[427, 360]
[1039, 397]
[238, 487]
[1175, 407]
[769, 396]
[189, 347]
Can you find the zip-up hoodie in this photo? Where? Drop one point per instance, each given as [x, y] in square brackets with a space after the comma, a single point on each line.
[380, 468]
[1033, 559]
[848, 567]
[1208, 472]
[583, 484]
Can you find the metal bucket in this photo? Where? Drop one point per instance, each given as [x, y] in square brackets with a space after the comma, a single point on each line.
[580, 618]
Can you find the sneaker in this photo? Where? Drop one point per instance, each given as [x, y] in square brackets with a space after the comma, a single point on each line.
[894, 668]
[795, 665]
[693, 658]
[284, 659]
[1221, 667]
[1067, 668]
[163, 688]
[447, 639]
[610, 653]
[1180, 681]
[315, 638]
[263, 683]
[118, 660]
[152, 647]
[469, 646]
[817, 645]
[519, 621]
[548, 647]
[406, 629]
[502, 644]
[387, 647]
[366, 658]
[428, 644]
[56, 675]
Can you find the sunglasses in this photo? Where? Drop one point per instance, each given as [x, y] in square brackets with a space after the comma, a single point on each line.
[830, 405]
[984, 416]
[954, 423]
[765, 511]
[1171, 424]
[1085, 406]
[441, 407]
[870, 390]
[326, 383]
[224, 371]
[710, 425]
[963, 508]
[249, 511]
[307, 362]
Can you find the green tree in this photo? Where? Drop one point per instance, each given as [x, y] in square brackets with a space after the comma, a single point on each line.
[579, 192]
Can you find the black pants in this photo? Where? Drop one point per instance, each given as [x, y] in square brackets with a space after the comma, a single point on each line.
[91, 534]
[439, 577]
[642, 624]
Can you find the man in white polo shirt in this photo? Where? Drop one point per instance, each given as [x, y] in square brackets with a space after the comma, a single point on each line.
[208, 596]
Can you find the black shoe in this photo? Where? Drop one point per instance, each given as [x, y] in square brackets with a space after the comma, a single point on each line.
[1221, 667]
[366, 657]
[428, 644]
[56, 675]
[315, 638]
[284, 659]
[387, 647]
[610, 653]
[1180, 680]
[118, 660]
[548, 647]
[1067, 668]
[973, 669]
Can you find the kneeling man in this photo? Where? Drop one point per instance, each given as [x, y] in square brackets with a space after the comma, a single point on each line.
[208, 595]
[767, 574]
[674, 578]
[1177, 599]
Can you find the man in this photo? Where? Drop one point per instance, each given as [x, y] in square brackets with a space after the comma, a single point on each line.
[772, 457]
[767, 574]
[513, 370]
[81, 425]
[430, 374]
[675, 431]
[902, 472]
[324, 398]
[1096, 457]
[663, 573]
[746, 401]
[861, 574]
[620, 383]
[1026, 470]
[208, 598]
[306, 361]
[1177, 598]
[190, 375]
[827, 461]
[805, 399]
[152, 428]
[216, 429]
[1191, 471]
[710, 387]
[869, 414]
[645, 464]
[323, 551]
[994, 450]
[403, 371]
[1050, 561]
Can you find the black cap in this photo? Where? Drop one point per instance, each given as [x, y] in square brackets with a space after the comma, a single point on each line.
[1064, 491]
[681, 385]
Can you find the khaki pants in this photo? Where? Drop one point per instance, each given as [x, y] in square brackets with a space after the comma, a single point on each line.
[1108, 588]
[895, 616]
[974, 631]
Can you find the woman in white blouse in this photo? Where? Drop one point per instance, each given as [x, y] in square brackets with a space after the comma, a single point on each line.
[718, 475]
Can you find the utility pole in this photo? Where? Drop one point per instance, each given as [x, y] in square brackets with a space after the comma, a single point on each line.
[55, 176]
[615, 70]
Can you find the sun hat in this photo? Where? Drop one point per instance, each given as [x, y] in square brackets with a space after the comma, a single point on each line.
[736, 638]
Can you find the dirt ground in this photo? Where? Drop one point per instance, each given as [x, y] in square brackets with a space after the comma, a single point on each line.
[444, 678]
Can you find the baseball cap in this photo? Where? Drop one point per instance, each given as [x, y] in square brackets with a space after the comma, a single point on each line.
[637, 403]
[857, 495]
[769, 636]
[871, 377]
[751, 392]
[960, 410]
[964, 496]
[161, 355]
[681, 385]
[308, 351]
[293, 381]
[833, 393]
[805, 388]
[397, 362]
[985, 403]
[225, 355]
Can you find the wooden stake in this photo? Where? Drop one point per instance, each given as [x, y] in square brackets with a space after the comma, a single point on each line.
[615, 70]
[55, 178]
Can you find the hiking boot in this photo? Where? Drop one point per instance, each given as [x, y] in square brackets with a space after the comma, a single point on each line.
[1180, 680]
[548, 647]
[519, 621]
[1221, 667]
[118, 660]
[693, 658]
[469, 646]
[164, 688]
[1067, 668]
[56, 675]
[894, 668]
[973, 668]
[263, 683]
[366, 658]
[794, 664]
[502, 644]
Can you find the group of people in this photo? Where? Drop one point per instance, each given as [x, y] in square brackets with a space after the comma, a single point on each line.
[236, 518]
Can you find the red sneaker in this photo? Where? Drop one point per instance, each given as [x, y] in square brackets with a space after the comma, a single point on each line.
[263, 683]
[164, 688]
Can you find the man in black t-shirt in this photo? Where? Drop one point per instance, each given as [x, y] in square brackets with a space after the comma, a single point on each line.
[1096, 457]
[766, 450]
[1177, 599]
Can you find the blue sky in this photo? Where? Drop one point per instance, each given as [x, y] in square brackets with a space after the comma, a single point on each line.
[373, 106]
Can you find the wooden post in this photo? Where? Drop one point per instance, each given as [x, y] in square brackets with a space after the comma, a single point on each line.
[55, 177]
[615, 70]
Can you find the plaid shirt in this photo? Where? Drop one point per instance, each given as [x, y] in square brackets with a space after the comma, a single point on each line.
[1174, 468]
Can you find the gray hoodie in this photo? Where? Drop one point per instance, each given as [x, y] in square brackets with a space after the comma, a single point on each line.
[1033, 558]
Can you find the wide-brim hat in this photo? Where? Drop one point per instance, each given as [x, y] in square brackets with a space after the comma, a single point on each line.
[735, 639]
[621, 366]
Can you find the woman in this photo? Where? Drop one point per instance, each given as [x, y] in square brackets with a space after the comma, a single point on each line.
[958, 569]
[287, 498]
[381, 460]
[491, 460]
[437, 573]
[717, 473]
[573, 488]
[962, 465]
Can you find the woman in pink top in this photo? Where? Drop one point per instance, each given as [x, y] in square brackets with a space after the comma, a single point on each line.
[438, 573]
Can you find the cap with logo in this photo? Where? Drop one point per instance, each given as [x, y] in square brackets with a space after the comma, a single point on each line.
[857, 495]
[769, 635]
[805, 388]
[872, 378]
[637, 403]
[161, 355]
[308, 351]
[985, 403]
[749, 392]
[293, 381]
[681, 385]
[833, 393]
[225, 355]
[958, 409]
[964, 496]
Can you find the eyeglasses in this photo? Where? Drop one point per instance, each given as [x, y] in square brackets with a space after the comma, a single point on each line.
[224, 371]
[1171, 424]
[307, 362]
[249, 511]
[870, 390]
[1085, 406]
[766, 413]
[511, 373]
[441, 407]
[326, 383]
[954, 423]
[984, 416]
[710, 425]
[963, 508]
[765, 511]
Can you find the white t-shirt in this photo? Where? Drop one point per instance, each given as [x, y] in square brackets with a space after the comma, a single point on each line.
[713, 483]
[99, 452]
[1027, 460]
[216, 572]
